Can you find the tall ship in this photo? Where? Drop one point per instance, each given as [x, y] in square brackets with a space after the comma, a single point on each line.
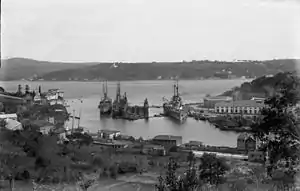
[105, 104]
[175, 108]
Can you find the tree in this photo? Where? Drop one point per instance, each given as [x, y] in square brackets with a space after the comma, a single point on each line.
[212, 169]
[279, 131]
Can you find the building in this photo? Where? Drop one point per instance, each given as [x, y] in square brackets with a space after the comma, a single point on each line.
[256, 156]
[258, 99]
[244, 107]
[108, 134]
[168, 140]
[209, 102]
[43, 126]
[193, 144]
[55, 96]
[246, 142]
[9, 116]
[157, 150]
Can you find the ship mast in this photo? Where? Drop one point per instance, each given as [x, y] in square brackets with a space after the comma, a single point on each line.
[106, 91]
[118, 92]
[177, 93]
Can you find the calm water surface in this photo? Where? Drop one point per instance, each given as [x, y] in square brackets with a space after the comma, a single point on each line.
[137, 91]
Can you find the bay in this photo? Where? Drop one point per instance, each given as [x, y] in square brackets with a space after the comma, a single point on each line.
[137, 91]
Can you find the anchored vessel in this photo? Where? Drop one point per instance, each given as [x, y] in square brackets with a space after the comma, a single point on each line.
[174, 108]
[105, 104]
[122, 109]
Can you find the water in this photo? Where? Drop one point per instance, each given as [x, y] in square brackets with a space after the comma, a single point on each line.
[137, 91]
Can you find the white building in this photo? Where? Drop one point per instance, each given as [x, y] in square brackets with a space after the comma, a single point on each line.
[245, 107]
[9, 116]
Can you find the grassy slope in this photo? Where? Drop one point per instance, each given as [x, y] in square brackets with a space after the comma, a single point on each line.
[187, 70]
[17, 68]
[260, 86]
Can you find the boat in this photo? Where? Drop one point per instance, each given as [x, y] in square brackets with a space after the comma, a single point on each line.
[122, 109]
[174, 108]
[105, 104]
[119, 104]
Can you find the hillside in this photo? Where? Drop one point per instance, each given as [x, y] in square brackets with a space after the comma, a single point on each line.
[19, 68]
[151, 71]
[260, 87]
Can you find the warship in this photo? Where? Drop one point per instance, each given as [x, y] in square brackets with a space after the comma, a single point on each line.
[174, 108]
[122, 109]
[119, 104]
[105, 104]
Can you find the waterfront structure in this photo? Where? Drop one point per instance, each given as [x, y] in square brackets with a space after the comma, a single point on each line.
[168, 140]
[246, 142]
[210, 102]
[175, 108]
[55, 96]
[108, 134]
[246, 108]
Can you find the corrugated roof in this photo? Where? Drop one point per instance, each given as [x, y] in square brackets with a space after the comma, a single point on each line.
[240, 103]
[167, 137]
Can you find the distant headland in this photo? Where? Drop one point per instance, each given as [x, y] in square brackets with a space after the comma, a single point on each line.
[29, 69]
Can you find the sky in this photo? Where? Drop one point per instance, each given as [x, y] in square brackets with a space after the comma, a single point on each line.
[150, 30]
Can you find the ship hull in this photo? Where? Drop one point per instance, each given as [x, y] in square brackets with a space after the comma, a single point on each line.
[180, 116]
[105, 109]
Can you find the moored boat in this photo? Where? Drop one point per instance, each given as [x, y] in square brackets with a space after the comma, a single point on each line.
[174, 108]
[105, 104]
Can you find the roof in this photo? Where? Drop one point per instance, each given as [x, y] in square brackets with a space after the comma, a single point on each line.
[167, 137]
[108, 131]
[240, 103]
[12, 115]
[244, 136]
[42, 123]
[218, 98]
[152, 146]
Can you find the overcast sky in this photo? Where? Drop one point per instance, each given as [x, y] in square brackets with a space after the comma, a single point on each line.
[150, 30]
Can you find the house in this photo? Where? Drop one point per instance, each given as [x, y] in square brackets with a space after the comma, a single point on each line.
[151, 149]
[43, 126]
[9, 116]
[12, 124]
[209, 102]
[247, 108]
[256, 156]
[246, 142]
[108, 134]
[193, 144]
[167, 140]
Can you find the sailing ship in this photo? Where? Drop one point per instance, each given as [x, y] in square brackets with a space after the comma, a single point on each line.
[175, 108]
[105, 104]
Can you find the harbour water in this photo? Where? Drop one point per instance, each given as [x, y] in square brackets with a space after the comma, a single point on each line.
[137, 91]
